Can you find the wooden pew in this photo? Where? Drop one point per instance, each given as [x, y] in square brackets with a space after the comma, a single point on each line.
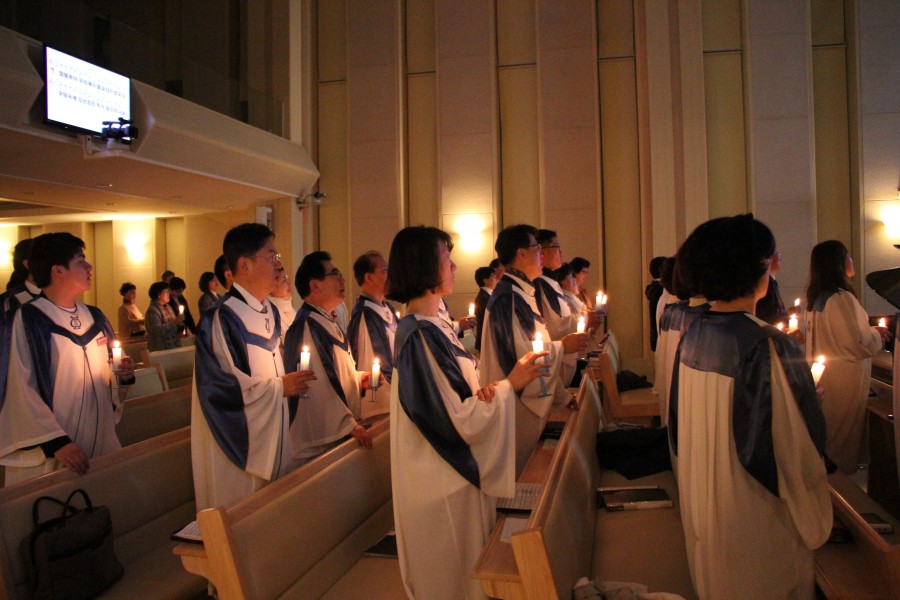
[298, 536]
[149, 490]
[868, 567]
[177, 363]
[633, 405]
[135, 350]
[153, 415]
[148, 380]
[545, 559]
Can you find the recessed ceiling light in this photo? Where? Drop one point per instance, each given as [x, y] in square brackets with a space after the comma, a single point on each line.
[103, 185]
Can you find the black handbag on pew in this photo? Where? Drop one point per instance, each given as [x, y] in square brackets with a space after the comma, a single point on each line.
[71, 556]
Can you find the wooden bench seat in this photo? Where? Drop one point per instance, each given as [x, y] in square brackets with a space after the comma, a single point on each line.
[545, 559]
[632, 405]
[149, 490]
[149, 416]
[298, 536]
[177, 364]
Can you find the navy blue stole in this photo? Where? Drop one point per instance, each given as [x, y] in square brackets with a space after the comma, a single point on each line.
[543, 288]
[503, 304]
[381, 345]
[324, 343]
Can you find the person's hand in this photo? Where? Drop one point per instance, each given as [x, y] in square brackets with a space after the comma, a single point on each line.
[486, 394]
[73, 458]
[575, 342]
[296, 383]
[467, 322]
[527, 369]
[362, 436]
[595, 318]
[126, 368]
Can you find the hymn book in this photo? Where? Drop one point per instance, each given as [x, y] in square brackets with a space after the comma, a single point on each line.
[634, 498]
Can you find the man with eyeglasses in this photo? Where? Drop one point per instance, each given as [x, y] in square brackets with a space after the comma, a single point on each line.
[240, 419]
[330, 412]
[558, 317]
[511, 323]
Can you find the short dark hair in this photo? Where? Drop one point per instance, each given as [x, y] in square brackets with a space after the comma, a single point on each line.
[562, 272]
[495, 263]
[245, 240]
[545, 237]
[482, 274]
[579, 264]
[205, 279]
[20, 271]
[414, 264]
[656, 264]
[167, 273]
[220, 267]
[127, 287]
[310, 268]
[666, 273]
[177, 284]
[725, 258]
[158, 288]
[49, 250]
[510, 239]
[365, 264]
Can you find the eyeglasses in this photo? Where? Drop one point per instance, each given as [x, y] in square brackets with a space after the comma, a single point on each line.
[269, 258]
[551, 247]
[334, 273]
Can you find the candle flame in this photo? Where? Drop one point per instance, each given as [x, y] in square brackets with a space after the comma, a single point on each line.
[779, 326]
[116, 344]
[306, 348]
[538, 337]
[376, 362]
[797, 302]
[821, 359]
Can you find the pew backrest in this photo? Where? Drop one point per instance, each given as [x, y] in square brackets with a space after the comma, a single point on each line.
[148, 380]
[153, 415]
[177, 364]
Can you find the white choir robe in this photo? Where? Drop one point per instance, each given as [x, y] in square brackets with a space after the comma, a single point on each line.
[742, 540]
[86, 407]
[286, 312]
[534, 411]
[442, 520]
[365, 355]
[20, 295]
[322, 418]
[838, 328]
[565, 321]
[669, 334]
[576, 306]
[219, 481]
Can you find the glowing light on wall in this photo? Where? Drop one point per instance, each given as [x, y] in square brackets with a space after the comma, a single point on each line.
[136, 247]
[471, 233]
[6, 252]
[890, 216]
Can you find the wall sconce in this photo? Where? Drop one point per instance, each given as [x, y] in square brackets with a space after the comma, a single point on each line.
[136, 247]
[471, 233]
[313, 199]
[6, 255]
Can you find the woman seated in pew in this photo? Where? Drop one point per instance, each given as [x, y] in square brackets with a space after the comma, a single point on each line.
[131, 321]
[452, 441]
[746, 425]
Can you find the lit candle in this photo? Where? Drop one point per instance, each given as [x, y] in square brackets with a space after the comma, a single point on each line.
[398, 315]
[797, 304]
[793, 323]
[779, 326]
[471, 310]
[181, 309]
[538, 344]
[599, 299]
[818, 368]
[374, 382]
[882, 322]
[304, 359]
[117, 355]
[580, 326]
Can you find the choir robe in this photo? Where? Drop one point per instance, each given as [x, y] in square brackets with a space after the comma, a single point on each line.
[239, 415]
[559, 319]
[576, 306]
[286, 313]
[371, 332]
[481, 301]
[510, 324]
[838, 328]
[666, 345]
[17, 296]
[451, 455]
[333, 405]
[59, 384]
[749, 433]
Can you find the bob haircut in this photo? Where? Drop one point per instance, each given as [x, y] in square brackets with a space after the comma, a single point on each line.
[511, 239]
[560, 274]
[49, 250]
[364, 265]
[724, 259]
[827, 271]
[158, 288]
[656, 265]
[579, 264]
[205, 280]
[482, 274]
[127, 287]
[414, 263]
[245, 240]
[310, 268]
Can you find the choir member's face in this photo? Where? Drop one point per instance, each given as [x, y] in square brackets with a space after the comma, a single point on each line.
[551, 255]
[378, 276]
[265, 267]
[164, 296]
[77, 274]
[569, 283]
[491, 282]
[531, 259]
[581, 276]
[447, 270]
[130, 296]
[332, 285]
[213, 285]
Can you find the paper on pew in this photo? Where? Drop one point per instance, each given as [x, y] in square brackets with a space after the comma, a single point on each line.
[189, 533]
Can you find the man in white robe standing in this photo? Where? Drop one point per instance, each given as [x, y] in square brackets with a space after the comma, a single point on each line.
[373, 325]
[558, 318]
[332, 409]
[61, 400]
[239, 413]
[511, 322]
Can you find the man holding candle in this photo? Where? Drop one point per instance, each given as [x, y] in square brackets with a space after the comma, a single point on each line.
[511, 322]
[558, 318]
[334, 406]
[373, 325]
[61, 398]
[240, 439]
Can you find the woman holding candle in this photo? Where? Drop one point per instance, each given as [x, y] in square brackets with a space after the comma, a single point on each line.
[452, 441]
[838, 327]
[131, 321]
[747, 429]
[163, 325]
